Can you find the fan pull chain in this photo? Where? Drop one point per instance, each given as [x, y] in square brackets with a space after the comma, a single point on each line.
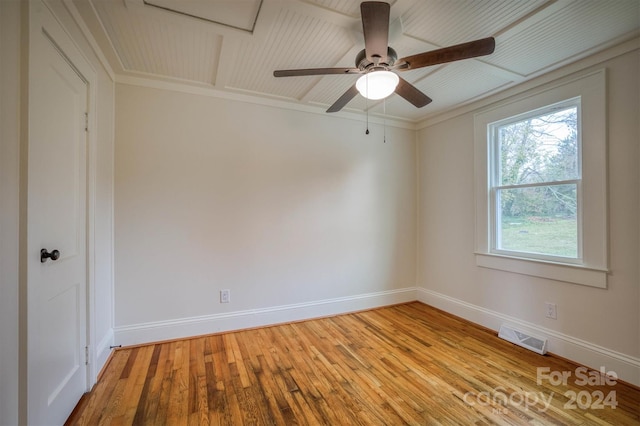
[366, 103]
[384, 120]
[367, 111]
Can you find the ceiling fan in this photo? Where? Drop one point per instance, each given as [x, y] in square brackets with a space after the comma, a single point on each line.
[378, 61]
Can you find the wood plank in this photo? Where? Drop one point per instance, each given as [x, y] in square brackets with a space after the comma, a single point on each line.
[404, 364]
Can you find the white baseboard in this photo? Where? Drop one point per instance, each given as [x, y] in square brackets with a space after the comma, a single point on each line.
[591, 355]
[217, 323]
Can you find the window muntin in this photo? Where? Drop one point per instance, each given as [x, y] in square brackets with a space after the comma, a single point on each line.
[535, 183]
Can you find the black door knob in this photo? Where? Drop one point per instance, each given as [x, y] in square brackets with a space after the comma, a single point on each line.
[44, 255]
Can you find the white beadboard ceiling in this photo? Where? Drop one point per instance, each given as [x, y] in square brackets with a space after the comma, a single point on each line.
[235, 45]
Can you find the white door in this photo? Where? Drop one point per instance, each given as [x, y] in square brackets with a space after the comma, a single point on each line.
[57, 318]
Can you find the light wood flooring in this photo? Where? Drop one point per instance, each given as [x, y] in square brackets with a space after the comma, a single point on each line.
[404, 364]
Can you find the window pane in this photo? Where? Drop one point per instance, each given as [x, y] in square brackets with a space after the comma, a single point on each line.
[539, 149]
[540, 220]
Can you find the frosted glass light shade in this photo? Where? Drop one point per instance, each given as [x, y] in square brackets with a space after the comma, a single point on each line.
[380, 85]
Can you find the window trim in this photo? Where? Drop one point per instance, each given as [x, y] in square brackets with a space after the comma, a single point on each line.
[591, 268]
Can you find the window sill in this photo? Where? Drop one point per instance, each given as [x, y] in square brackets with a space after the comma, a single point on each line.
[543, 269]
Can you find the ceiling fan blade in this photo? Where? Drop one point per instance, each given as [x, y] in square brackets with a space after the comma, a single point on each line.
[471, 49]
[315, 71]
[375, 26]
[412, 94]
[344, 99]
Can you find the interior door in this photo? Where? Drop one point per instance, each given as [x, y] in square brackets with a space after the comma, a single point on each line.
[56, 211]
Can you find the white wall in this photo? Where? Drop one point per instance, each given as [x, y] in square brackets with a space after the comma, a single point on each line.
[593, 325]
[9, 207]
[279, 206]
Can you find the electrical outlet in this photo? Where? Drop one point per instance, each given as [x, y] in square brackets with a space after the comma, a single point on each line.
[551, 310]
[225, 296]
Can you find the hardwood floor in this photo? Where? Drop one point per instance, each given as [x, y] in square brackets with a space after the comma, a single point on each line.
[404, 364]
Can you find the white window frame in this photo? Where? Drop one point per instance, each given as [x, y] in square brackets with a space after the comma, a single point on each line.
[494, 185]
[591, 265]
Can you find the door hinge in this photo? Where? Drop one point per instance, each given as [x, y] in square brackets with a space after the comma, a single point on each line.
[86, 355]
[86, 121]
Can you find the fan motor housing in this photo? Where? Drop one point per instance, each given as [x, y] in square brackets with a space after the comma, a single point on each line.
[363, 63]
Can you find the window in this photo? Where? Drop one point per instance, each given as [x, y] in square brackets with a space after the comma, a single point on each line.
[535, 183]
[541, 183]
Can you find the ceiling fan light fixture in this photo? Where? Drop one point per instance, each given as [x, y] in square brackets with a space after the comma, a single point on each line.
[377, 84]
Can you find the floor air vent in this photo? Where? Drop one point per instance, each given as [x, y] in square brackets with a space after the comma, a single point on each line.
[525, 340]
